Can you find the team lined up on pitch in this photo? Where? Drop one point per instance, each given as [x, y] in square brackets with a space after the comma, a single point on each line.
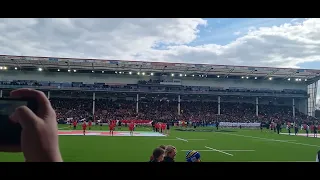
[163, 128]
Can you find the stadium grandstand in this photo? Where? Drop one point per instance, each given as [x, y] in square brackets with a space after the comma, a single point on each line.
[135, 90]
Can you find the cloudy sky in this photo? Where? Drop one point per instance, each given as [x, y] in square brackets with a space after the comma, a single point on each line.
[257, 42]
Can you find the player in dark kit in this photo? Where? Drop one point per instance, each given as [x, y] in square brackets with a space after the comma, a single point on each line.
[289, 128]
[153, 126]
[168, 128]
[217, 125]
[296, 129]
[100, 125]
[278, 127]
[119, 124]
[315, 130]
[261, 127]
[84, 127]
[194, 125]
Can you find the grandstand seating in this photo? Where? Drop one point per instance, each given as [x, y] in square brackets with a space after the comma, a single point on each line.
[162, 110]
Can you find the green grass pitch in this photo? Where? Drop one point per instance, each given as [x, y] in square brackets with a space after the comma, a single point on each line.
[235, 146]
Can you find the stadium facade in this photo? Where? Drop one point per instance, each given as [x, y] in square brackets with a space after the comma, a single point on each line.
[137, 80]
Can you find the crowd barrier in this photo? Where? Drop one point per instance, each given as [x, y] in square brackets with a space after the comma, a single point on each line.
[232, 124]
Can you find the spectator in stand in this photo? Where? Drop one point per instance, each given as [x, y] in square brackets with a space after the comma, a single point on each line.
[162, 110]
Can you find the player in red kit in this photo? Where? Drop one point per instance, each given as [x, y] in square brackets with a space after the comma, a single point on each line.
[84, 127]
[90, 124]
[74, 125]
[159, 127]
[131, 128]
[183, 124]
[111, 127]
[163, 128]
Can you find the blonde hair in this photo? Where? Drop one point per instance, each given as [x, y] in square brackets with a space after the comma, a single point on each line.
[169, 149]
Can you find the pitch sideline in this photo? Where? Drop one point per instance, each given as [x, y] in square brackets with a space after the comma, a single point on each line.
[275, 140]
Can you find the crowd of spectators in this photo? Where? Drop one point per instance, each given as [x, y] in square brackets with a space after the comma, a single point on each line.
[164, 111]
[80, 106]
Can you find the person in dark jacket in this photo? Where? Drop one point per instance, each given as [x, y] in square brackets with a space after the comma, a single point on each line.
[162, 147]
[318, 157]
[158, 155]
[315, 130]
[170, 154]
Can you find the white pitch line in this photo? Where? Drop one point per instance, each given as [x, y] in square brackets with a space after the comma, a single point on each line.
[275, 140]
[279, 161]
[164, 139]
[200, 150]
[182, 139]
[235, 150]
[238, 150]
[197, 139]
[219, 151]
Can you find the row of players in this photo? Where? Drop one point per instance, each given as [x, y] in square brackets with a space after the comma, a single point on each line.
[112, 126]
[163, 128]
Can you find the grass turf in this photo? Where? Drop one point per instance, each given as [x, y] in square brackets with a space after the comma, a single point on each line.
[259, 146]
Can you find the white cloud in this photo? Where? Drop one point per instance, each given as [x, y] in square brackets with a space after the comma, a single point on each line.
[135, 39]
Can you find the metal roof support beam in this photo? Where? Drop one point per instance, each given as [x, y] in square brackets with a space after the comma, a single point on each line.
[290, 75]
[248, 74]
[16, 62]
[92, 65]
[270, 74]
[231, 70]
